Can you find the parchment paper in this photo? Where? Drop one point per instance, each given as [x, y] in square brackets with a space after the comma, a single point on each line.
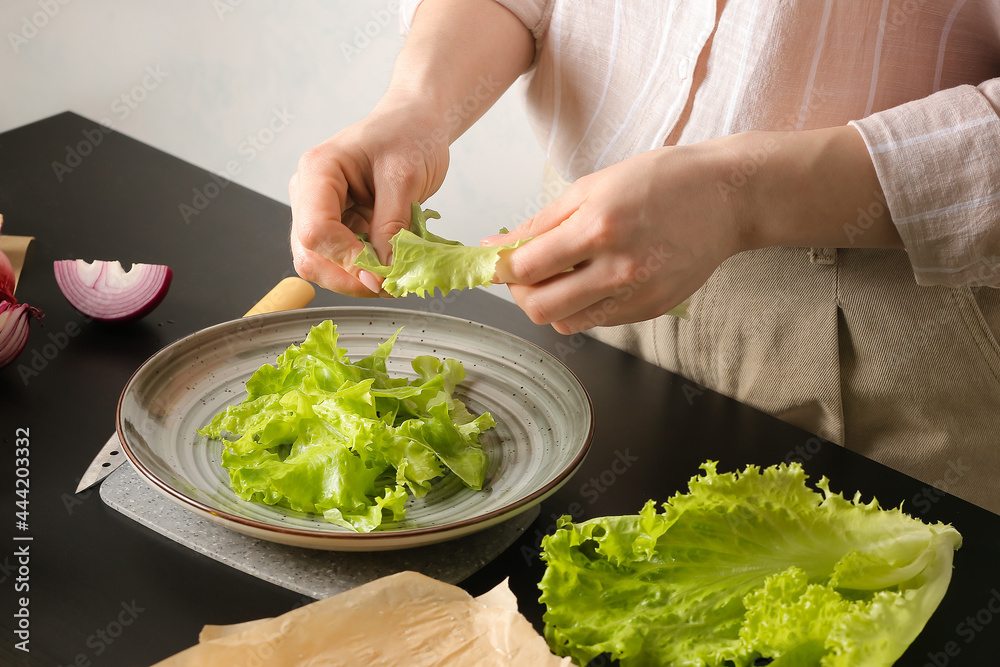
[403, 619]
[15, 247]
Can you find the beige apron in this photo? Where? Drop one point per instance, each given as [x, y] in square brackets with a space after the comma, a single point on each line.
[846, 345]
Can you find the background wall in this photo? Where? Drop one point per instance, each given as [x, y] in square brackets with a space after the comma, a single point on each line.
[205, 80]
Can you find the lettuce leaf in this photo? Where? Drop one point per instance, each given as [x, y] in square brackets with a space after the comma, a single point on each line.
[423, 261]
[746, 565]
[322, 434]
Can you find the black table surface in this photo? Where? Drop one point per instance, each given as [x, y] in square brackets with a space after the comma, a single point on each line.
[104, 590]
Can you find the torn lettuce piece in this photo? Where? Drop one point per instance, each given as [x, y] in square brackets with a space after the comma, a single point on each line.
[423, 261]
[322, 434]
[745, 566]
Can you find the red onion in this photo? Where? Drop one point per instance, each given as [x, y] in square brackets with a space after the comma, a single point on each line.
[106, 292]
[14, 329]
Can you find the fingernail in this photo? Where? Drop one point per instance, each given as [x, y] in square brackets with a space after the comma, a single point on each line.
[369, 280]
[491, 240]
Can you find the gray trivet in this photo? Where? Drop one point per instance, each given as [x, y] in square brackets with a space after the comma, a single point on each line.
[315, 573]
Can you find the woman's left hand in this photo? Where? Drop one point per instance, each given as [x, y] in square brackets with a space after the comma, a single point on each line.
[627, 243]
[634, 240]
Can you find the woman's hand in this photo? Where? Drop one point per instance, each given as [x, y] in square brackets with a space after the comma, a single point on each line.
[632, 241]
[626, 243]
[458, 58]
[364, 179]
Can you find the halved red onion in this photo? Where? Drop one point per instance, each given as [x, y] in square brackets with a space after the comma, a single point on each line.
[14, 329]
[107, 292]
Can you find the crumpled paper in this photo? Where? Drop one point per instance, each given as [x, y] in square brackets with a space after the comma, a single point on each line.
[402, 619]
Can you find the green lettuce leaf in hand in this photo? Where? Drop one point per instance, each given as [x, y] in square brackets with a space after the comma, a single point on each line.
[743, 566]
[319, 433]
[423, 261]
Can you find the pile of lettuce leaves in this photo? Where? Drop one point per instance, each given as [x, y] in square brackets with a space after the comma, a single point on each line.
[319, 433]
[423, 261]
[745, 566]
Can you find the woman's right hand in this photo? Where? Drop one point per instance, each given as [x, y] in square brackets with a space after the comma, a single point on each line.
[364, 179]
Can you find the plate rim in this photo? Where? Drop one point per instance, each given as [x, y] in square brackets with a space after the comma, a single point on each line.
[374, 537]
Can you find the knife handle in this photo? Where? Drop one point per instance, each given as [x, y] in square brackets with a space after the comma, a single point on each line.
[290, 293]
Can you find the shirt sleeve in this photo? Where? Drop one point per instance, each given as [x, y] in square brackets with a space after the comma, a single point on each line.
[534, 14]
[938, 162]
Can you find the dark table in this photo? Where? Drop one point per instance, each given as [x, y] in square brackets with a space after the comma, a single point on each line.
[103, 590]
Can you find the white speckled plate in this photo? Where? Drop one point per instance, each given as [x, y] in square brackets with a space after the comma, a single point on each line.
[544, 418]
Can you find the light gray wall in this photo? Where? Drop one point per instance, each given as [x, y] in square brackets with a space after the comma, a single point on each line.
[197, 78]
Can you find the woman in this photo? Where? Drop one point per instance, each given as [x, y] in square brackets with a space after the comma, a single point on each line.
[821, 179]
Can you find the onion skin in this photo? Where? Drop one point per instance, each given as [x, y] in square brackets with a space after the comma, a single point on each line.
[104, 291]
[14, 321]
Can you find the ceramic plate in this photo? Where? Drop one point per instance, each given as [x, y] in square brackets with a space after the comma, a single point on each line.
[544, 418]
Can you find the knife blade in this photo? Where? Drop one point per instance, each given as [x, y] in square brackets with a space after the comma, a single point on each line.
[290, 293]
[106, 461]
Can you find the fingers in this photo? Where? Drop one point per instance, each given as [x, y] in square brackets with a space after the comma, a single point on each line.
[556, 299]
[567, 298]
[548, 254]
[581, 300]
[357, 219]
[327, 274]
[324, 249]
[396, 192]
[560, 240]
